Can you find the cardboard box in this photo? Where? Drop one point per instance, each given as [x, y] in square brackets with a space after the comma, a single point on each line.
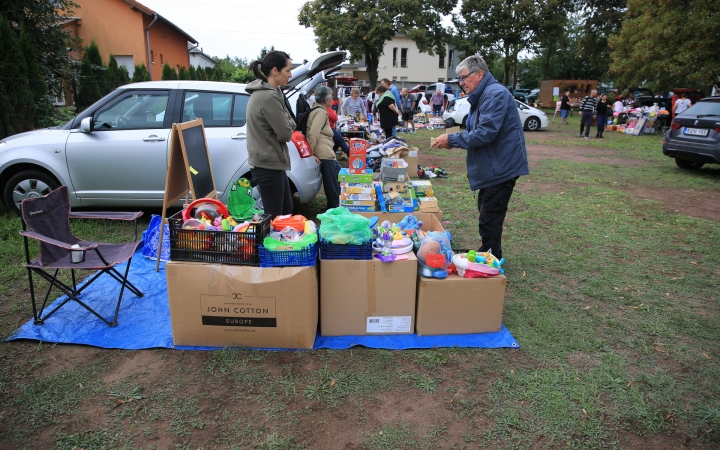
[367, 297]
[393, 169]
[346, 177]
[435, 225]
[428, 204]
[452, 130]
[358, 156]
[239, 306]
[458, 305]
[423, 188]
[412, 162]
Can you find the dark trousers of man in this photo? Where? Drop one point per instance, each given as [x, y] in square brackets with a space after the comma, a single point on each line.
[587, 118]
[493, 205]
[329, 170]
[340, 143]
[275, 192]
[437, 109]
[601, 125]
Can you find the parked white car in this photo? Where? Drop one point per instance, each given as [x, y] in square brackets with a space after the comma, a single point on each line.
[533, 119]
[115, 153]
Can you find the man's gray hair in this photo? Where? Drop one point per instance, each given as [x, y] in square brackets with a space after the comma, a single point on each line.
[473, 64]
[322, 93]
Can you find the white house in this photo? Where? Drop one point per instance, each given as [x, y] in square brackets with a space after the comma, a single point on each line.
[198, 58]
[406, 66]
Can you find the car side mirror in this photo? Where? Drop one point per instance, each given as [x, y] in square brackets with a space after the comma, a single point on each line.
[86, 125]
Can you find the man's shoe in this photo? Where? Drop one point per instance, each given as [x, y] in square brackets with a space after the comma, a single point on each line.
[587, 137]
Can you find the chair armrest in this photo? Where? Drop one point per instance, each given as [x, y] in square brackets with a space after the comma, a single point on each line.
[56, 243]
[109, 215]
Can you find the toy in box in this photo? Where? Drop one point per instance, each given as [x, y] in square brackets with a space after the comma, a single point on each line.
[395, 199]
[423, 188]
[358, 156]
[346, 177]
[393, 169]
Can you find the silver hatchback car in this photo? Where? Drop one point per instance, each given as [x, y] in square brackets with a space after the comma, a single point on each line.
[115, 153]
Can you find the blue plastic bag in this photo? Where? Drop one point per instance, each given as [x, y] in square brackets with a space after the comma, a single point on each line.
[152, 236]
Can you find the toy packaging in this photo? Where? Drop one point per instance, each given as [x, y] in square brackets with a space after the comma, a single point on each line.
[393, 169]
[428, 204]
[423, 188]
[358, 156]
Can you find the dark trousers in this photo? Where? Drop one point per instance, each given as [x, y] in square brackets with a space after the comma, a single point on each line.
[437, 109]
[587, 118]
[493, 205]
[275, 192]
[601, 120]
[340, 143]
[329, 170]
[388, 132]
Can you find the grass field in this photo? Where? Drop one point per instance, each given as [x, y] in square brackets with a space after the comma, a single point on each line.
[613, 297]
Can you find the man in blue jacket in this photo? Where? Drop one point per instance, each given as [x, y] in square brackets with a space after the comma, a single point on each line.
[495, 143]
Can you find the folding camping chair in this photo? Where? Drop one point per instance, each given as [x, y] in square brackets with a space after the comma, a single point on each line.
[48, 220]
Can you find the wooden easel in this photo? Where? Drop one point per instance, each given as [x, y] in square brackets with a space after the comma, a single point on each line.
[189, 170]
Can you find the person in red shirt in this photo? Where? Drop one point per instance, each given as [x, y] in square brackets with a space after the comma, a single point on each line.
[338, 140]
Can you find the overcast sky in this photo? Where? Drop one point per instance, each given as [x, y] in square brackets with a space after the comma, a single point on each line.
[241, 27]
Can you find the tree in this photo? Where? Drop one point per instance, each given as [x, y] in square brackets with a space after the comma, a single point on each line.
[191, 73]
[200, 74]
[93, 77]
[601, 19]
[41, 21]
[18, 97]
[363, 27]
[183, 74]
[168, 73]
[140, 74]
[549, 28]
[501, 26]
[668, 44]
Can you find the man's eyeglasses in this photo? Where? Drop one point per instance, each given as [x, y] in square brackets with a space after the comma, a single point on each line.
[461, 78]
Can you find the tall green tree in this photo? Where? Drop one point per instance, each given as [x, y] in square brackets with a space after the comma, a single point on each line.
[549, 28]
[503, 26]
[183, 74]
[600, 20]
[363, 27]
[18, 98]
[168, 73]
[191, 72]
[140, 73]
[41, 21]
[668, 44]
[92, 83]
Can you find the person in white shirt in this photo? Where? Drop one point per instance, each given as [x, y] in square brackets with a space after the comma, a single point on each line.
[681, 105]
[311, 99]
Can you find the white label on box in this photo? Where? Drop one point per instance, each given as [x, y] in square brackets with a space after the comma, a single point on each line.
[389, 324]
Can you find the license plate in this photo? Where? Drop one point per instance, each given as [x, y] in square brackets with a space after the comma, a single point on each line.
[696, 131]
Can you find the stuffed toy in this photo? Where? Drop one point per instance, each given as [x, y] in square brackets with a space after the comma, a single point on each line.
[435, 255]
[410, 223]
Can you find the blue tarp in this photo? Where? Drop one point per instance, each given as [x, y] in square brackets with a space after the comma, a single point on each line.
[145, 322]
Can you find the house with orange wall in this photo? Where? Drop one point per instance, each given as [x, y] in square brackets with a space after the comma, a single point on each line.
[132, 32]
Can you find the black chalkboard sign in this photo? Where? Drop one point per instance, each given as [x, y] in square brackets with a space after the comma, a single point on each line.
[189, 171]
[198, 163]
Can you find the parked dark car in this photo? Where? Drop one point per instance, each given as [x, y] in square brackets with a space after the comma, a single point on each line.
[694, 136]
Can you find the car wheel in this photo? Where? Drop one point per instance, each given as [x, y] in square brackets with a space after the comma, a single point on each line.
[690, 165]
[449, 122]
[464, 122]
[532, 124]
[27, 184]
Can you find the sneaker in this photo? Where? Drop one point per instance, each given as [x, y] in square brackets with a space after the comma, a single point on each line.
[587, 137]
[579, 134]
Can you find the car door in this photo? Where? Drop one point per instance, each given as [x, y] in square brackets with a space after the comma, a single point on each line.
[223, 115]
[123, 160]
[523, 110]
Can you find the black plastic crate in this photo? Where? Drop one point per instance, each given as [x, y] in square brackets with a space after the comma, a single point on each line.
[223, 247]
[329, 250]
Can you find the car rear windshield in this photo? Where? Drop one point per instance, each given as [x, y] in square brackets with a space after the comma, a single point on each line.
[701, 108]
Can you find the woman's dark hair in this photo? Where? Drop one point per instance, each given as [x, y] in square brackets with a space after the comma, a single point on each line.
[275, 58]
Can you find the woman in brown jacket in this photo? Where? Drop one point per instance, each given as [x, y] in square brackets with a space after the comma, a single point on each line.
[320, 138]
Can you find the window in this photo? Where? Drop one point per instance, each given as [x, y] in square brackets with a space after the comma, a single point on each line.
[394, 78]
[134, 111]
[161, 60]
[212, 107]
[440, 80]
[451, 55]
[441, 64]
[127, 62]
[152, 57]
[403, 57]
[395, 57]
[239, 115]
[403, 78]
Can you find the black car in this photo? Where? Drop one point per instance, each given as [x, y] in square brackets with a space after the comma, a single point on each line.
[694, 136]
